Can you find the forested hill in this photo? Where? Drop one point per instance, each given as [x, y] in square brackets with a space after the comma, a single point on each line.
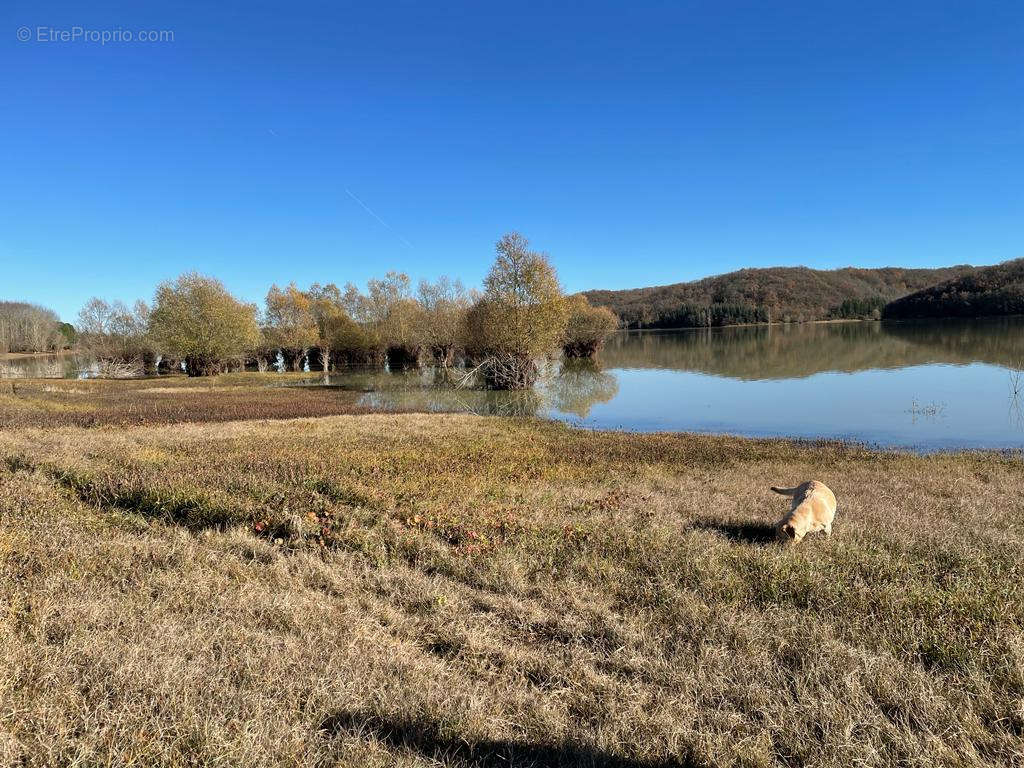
[778, 294]
[997, 290]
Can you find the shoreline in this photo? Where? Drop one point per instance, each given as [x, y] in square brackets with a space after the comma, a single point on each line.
[235, 399]
[24, 355]
[830, 321]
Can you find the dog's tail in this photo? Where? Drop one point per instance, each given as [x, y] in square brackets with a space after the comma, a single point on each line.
[785, 491]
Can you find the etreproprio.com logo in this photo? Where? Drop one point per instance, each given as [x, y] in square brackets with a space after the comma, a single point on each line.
[76, 34]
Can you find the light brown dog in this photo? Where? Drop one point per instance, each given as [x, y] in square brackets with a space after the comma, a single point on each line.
[814, 508]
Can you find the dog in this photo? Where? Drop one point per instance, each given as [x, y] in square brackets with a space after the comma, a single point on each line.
[814, 508]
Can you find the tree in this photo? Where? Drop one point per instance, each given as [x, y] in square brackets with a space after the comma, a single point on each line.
[765, 295]
[69, 337]
[342, 340]
[520, 318]
[404, 333]
[388, 323]
[291, 324]
[327, 307]
[358, 339]
[113, 333]
[384, 294]
[587, 327]
[351, 343]
[196, 319]
[445, 304]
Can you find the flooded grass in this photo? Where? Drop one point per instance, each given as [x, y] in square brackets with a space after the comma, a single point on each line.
[170, 400]
[413, 590]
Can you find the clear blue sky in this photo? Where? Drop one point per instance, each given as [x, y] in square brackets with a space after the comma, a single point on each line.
[637, 143]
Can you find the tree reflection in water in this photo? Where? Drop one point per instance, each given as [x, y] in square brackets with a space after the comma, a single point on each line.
[579, 386]
[796, 351]
[573, 387]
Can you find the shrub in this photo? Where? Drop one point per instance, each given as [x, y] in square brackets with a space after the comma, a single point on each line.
[587, 327]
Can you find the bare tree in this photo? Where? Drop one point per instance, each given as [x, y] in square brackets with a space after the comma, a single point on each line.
[445, 305]
[113, 333]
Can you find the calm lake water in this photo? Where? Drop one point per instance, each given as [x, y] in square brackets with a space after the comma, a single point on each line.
[926, 386]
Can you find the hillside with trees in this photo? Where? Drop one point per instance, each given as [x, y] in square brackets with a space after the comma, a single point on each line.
[776, 294]
[983, 292]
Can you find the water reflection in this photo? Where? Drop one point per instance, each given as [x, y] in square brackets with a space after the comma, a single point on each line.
[797, 351]
[579, 386]
[41, 366]
[571, 389]
[924, 385]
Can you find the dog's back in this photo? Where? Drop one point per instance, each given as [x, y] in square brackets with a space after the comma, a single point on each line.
[813, 509]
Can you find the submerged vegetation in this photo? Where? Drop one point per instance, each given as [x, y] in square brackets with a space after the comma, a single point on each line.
[418, 590]
[587, 327]
[195, 324]
[29, 403]
[520, 317]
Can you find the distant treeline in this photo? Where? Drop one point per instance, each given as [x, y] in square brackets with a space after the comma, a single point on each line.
[30, 328]
[986, 291]
[697, 316]
[778, 294]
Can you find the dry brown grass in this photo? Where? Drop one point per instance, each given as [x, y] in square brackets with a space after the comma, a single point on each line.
[419, 590]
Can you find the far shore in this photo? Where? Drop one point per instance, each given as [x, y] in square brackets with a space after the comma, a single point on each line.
[761, 325]
[827, 321]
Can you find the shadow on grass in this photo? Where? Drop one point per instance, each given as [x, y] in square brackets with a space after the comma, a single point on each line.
[425, 738]
[192, 512]
[754, 533]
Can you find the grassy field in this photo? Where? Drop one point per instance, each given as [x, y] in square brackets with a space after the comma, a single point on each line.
[414, 590]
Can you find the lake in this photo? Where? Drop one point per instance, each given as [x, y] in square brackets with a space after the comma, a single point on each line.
[926, 386]
[921, 385]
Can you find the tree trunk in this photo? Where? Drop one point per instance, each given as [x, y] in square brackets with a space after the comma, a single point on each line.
[444, 355]
[149, 366]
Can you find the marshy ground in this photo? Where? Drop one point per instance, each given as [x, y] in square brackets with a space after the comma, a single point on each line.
[413, 590]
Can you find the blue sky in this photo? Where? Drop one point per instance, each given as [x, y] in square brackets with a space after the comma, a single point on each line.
[637, 143]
